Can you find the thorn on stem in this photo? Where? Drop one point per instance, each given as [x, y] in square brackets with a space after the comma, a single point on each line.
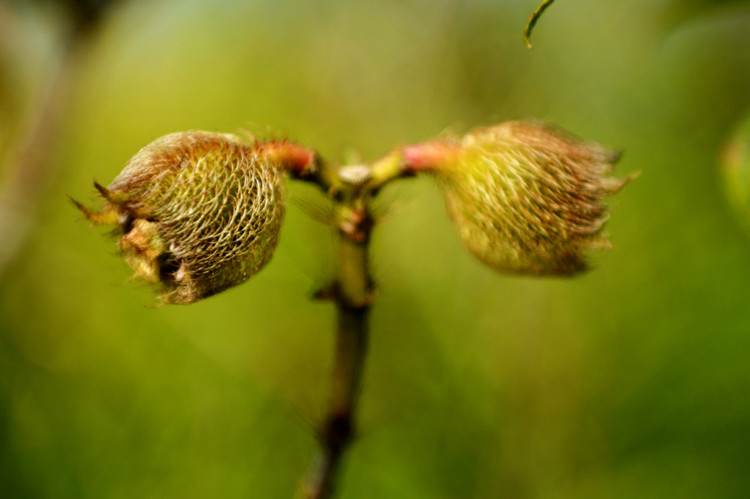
[329, 292]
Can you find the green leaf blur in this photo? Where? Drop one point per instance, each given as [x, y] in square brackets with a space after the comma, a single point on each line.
[631, 381]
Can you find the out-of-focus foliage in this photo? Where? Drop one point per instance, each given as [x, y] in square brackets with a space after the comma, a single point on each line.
[631, 381]
[736, 168]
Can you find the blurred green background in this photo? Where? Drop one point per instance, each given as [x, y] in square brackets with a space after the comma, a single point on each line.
[631, 381]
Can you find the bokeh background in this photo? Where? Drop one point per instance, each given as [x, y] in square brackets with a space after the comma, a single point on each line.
[631, 381]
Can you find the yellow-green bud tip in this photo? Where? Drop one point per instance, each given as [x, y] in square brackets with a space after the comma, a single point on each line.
[527, 198]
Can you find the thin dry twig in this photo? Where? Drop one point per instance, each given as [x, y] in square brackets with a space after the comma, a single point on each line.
[533, 20]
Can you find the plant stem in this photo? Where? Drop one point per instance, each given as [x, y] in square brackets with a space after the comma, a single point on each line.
[353, 296]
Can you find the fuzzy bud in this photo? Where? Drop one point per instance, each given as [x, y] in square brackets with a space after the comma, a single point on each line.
[527, 198]
[199, 212]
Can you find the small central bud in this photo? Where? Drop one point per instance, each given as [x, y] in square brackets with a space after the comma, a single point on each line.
[355, 175]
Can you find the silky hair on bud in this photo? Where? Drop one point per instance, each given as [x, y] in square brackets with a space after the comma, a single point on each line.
[527, 197]
[199, 212]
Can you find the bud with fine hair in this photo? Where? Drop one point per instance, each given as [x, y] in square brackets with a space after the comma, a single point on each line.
[526, 197]
[199, 212]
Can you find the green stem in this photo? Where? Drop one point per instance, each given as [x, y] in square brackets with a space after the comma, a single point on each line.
[353, 296]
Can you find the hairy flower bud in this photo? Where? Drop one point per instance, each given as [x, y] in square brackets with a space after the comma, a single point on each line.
[526, 197]
[199, 212]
